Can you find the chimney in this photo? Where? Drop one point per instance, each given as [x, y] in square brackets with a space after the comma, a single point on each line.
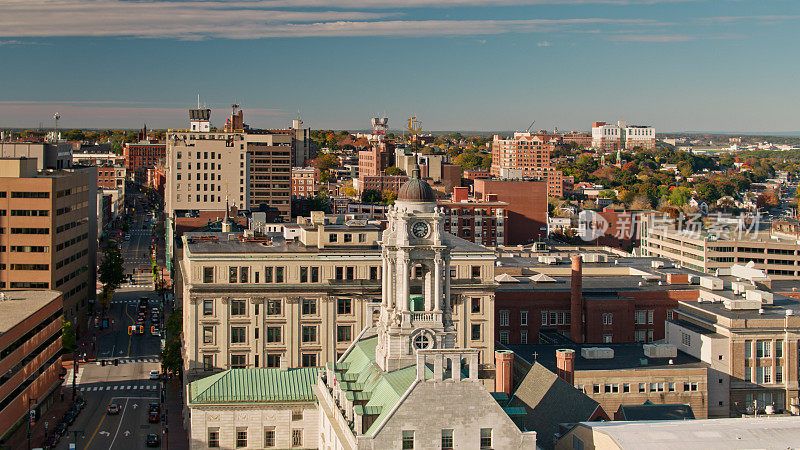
[565, 365]
[576, 300]
[503, 372]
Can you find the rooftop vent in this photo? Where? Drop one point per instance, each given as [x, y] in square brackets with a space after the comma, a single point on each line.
[597, 353]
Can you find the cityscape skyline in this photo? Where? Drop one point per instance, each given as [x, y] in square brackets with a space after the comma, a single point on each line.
[491, 65]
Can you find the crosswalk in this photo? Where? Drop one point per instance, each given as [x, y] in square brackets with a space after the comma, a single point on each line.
[120, 387]
[135, 360]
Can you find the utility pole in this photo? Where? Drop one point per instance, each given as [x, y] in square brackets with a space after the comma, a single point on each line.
[74, 376]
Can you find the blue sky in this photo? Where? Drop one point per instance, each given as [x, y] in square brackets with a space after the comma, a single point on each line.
[718, 65]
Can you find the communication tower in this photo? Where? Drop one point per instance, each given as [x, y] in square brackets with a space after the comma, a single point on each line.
[379, 127]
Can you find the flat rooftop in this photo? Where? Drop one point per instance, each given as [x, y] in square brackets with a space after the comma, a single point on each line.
[627, 356]
[19, 305]
[739, 433]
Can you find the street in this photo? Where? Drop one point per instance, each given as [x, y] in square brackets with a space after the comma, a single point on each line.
[121, 373]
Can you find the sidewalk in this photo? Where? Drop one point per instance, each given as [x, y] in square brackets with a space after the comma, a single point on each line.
[19, 440]
[177, 437]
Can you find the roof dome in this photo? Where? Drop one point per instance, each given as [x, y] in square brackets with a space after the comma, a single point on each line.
[416, 190]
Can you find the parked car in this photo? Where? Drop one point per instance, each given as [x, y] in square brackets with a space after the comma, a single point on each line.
[152, 417]
[154, 407]
[113, 409]
[154, 375]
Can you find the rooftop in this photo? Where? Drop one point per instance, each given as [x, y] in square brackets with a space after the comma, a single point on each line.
[19, 305]
[627, 356]
[255, 386]
[740, 433]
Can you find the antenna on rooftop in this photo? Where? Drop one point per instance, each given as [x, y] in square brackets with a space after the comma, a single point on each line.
[198, 101]
[530, 126]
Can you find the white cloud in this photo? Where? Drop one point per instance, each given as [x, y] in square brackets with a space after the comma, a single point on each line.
[248, 20]
[652, 38]
[543, 44]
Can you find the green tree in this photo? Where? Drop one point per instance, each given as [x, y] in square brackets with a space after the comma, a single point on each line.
[171, 356]
[679, 196]
[394, 171]
[325, 176]
[67, 336]
[320, 202]
[388, 197]
[111, 271]
[371, 196]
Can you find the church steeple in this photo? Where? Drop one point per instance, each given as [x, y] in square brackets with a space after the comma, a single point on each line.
[415, 311]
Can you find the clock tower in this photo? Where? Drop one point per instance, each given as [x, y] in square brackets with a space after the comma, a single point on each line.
[415, 311]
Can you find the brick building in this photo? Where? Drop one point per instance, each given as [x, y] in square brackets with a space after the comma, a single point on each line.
[30, 336]
[527, 207]
[143, 155]
[381, 183]
[527, 155]
[480, 221]
[111, 177]
[304, 181]
[375, 160]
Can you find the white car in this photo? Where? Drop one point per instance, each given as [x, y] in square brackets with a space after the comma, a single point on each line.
[154, 375]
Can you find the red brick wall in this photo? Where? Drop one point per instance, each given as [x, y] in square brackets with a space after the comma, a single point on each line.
[527, 207]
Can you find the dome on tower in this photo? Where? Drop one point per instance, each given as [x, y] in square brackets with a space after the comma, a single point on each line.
[416, 190]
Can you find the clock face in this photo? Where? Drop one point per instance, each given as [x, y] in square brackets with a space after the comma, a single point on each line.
[419, 229]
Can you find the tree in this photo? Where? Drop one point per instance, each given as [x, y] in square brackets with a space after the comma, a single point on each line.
[768, 199]
[640, 202]
[324, 162]
[171, 357]
[394, 171]
[388, 197]
[679, 196]
[111, 272]
[320, 202]
[325, 176]
[67, 336]
[371, 196]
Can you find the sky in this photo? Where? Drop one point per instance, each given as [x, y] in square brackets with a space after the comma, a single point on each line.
[678, 65]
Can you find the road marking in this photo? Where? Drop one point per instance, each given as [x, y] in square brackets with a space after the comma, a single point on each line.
[98, 428]
[116, 387]
[130, 336]
[124, 408]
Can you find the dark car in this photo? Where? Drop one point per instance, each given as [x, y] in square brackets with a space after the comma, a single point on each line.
[61, 429]
[69, 418]
[154, 407]
[113, 409]
[52, 440]
[152, 417]
[153, 440]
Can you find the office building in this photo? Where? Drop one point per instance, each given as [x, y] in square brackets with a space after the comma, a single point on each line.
[48, 241]
[250, 300]
[609, 137]
[480, 221]
[30, 336]
[527, 155]
[304, 181]
[143, 155]
[526, 210]
[54, 156]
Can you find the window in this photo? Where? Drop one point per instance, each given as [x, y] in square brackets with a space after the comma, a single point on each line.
[208, 335]
[297, 414]
[640, 317]
[595, 388]
[763, 349]
[607, 338]
[779, 348]
[503, 318]
[273, 360]
[764, 374]
[279, 274]
[273, 334]
[213, 437]
[208, 362]
[347, 237]
[208, 274]
[333, 237]
[748, 349]
[689, 387]
[241, 437]
[309, 333]
[640, 335]
[243, 274]
[476, 272]
[208, 307]
[544, 317]
[309, 360]
[748, 373]
[238, 335]
[523, 318]
[238, 361]
[315, 274]
[779, 374]
[486, 438]
[642, 387]
[447, 439]
[350, 273]
[274, 307]
[523, 337]
[233, 274]
[671, 387]
[686, 339]
[309, 307]
[344, 333]
[504, 337]
[344, 306]
[626, 387]
[408, 439]
[373, 273]
[267, 274]
[476, 332]
[238, 307]
[608, 318]
[670, 314]
[304, 274]
[476, 305]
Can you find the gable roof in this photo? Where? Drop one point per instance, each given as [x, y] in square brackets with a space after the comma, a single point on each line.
[255, 386]
[549, 401]
[651, 411]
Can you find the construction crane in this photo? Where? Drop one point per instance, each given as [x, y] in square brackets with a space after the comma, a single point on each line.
[414, 125]
[530, 126]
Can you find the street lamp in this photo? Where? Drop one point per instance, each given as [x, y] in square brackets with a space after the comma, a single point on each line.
[30, 400]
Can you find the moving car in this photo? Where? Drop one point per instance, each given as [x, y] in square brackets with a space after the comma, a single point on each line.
[153, 440]
[113, 409]
[153, 417]
[154, 407]
[154, 375]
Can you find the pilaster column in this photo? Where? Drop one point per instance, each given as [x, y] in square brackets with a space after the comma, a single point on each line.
[447, 281]
[437, 282]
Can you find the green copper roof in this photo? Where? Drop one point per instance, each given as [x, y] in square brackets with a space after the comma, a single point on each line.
[255, 386]
[383, 389]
